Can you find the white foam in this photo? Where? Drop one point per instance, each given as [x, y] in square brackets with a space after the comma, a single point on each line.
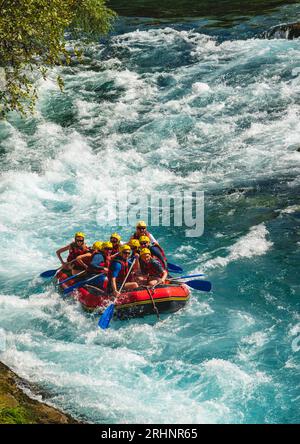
[200, 88]
[61, 176]
[295, 330]
[257, 339]
[230, 376]
[253, 244]
[290, 210]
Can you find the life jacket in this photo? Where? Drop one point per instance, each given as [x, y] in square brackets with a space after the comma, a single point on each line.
[100, 265]
[107, 260]
[76, 251]
[137, 236]
[116, 249]
[132, 256]
[151, 268]
[123, 272]
[158, 253]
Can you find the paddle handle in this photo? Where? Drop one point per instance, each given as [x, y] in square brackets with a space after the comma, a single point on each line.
[106, 316]
[129, 271]
[188, 276]
[71, 277]
[81, 283]
[152, 299]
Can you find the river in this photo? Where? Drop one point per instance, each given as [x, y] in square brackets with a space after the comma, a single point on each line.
[176, 98]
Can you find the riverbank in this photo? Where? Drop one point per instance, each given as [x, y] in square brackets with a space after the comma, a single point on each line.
[17, 408]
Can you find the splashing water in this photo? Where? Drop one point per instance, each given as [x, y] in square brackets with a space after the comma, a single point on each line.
[162, 109]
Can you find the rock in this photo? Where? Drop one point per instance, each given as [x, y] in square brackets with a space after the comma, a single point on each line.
[8, 401]
[288, 31]
[298, 149]
[18, 408]
[235, 190]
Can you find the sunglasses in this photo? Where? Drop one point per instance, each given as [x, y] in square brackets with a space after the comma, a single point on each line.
[141, 228]
[79, 240]
[126, 252]
[109, 249]
[114, 241]
[144, 243]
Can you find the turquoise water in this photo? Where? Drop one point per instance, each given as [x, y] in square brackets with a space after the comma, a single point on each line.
[163, 107]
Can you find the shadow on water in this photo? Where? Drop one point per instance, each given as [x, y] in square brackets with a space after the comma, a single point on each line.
[223, 10]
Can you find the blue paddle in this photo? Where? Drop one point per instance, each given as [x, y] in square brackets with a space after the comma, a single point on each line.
[189, 276]
[109, 311]
[199, 285]
[48, 273]
[71, 277]
[174, 268]
[80, 284]
[106, 317]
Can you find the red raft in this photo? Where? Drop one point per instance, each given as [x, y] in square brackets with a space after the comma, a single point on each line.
[168, 298]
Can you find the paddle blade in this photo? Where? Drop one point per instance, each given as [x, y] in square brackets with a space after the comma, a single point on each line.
[69, 290]
[175, 268]
[48, 273]
[106, 317]
[199, 285]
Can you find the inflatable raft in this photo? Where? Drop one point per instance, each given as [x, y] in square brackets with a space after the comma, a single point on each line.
[168, 298]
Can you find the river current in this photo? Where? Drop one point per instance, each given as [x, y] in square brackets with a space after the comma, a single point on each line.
[161, 107]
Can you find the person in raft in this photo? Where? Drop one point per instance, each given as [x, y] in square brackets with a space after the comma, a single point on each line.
[107, 248]
[152, 271]
[156, 251]
[141, 230]
[75, 249]
[135, 247]
[118, 271]
[92, 261]
[115, 239]
[97, 262]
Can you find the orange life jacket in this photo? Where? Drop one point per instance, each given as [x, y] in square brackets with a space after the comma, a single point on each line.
[123, 272]
[151, 268]
[137, 236]
[75, 251]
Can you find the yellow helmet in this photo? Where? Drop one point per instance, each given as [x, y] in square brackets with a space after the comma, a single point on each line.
[116, 236]
[79, 234]
[107, 245]
[141, 224]
[125, 248]
[134, 243]
[144, 239]
[144, 251]
[97, 245]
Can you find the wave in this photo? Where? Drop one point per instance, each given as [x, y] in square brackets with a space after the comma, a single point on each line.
[255, 243]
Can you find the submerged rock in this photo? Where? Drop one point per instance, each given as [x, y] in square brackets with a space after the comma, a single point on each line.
[288, 31]
[17, 408]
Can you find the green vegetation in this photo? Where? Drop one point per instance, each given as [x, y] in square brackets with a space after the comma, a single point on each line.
[17, 408]
[15, 415]
[32, 40]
